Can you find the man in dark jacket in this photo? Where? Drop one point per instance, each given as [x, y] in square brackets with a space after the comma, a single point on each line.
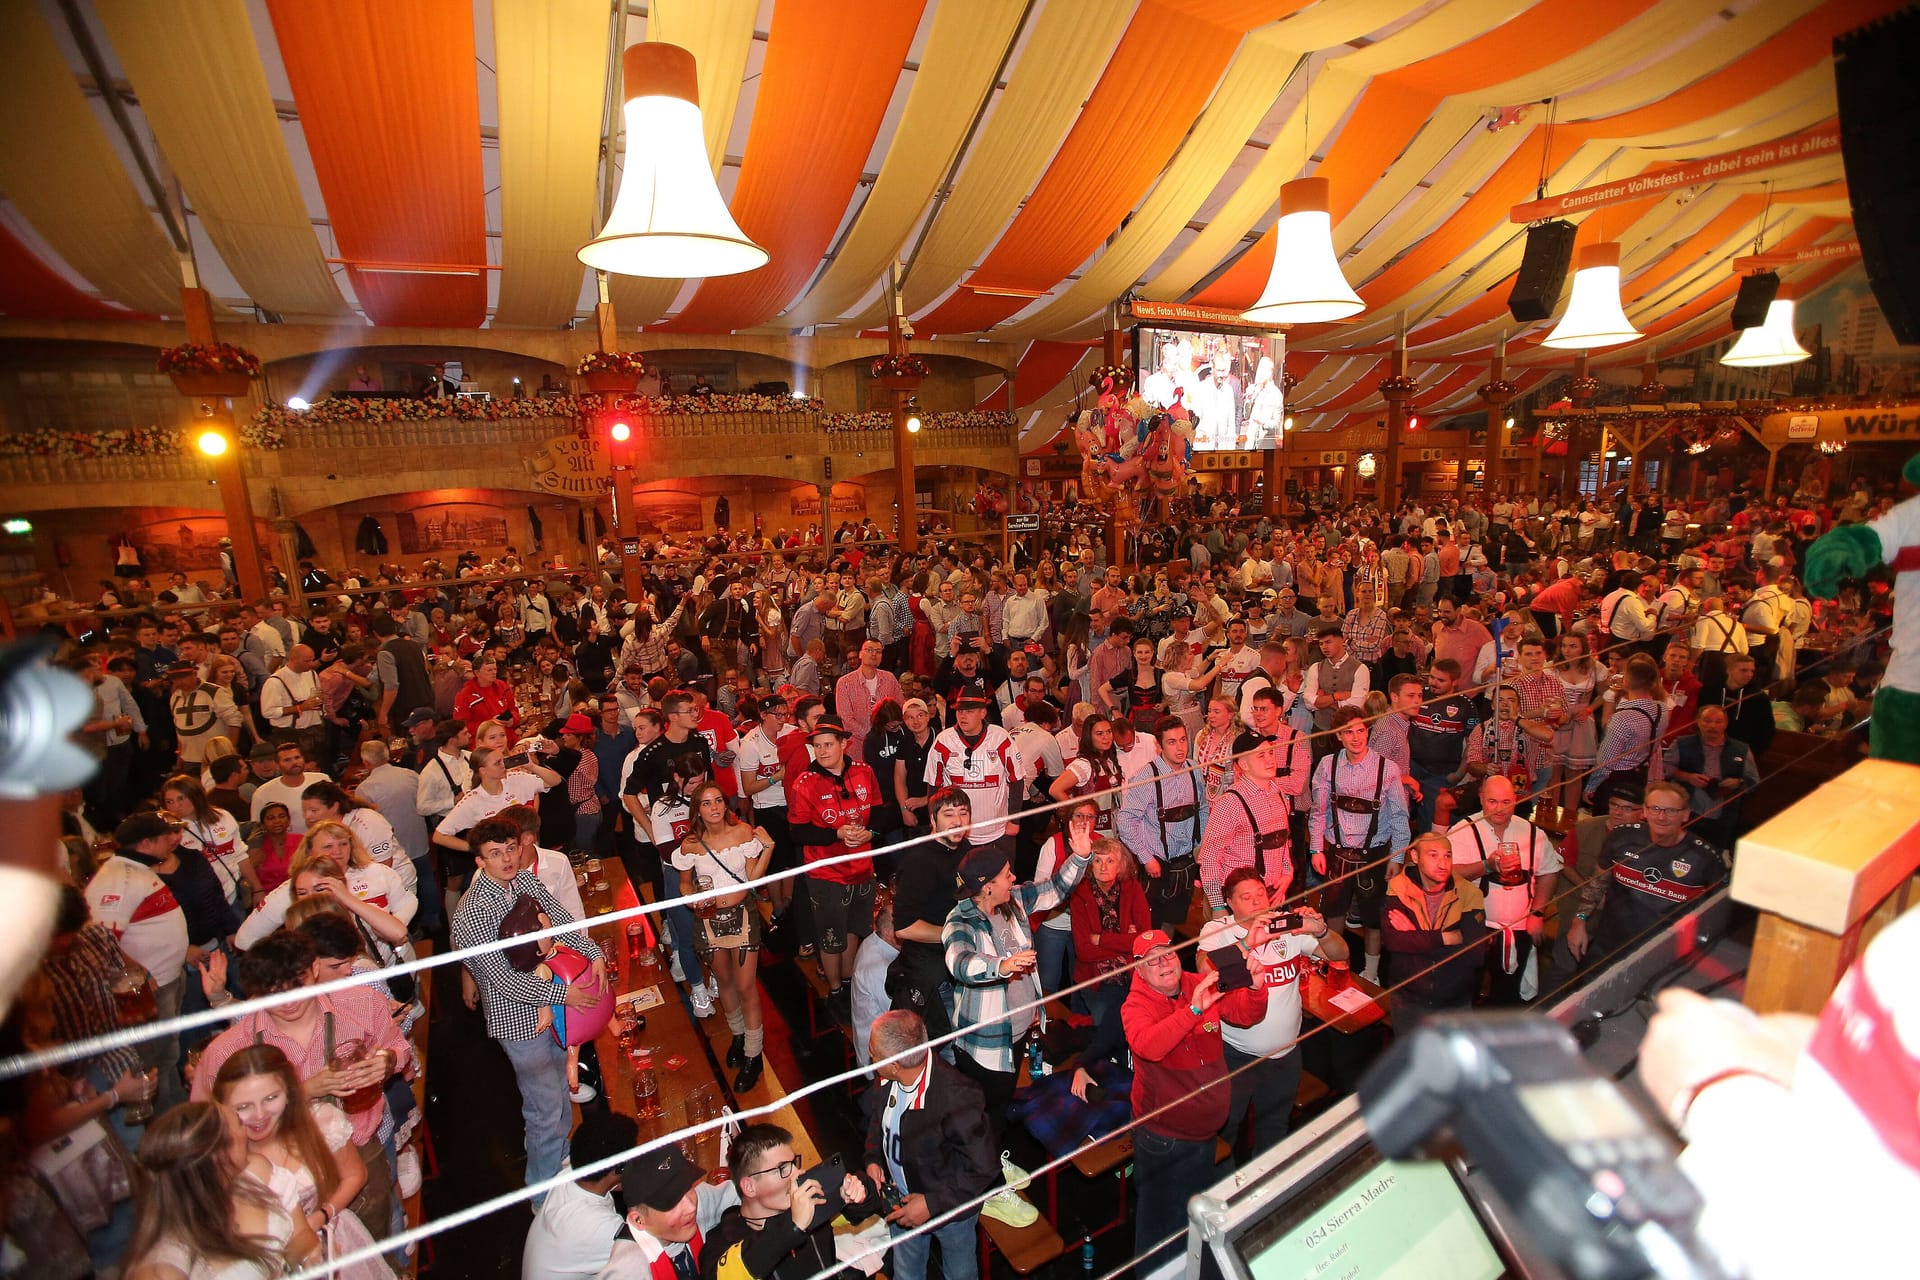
[1431, 925]
[1181, 1094]
[927, 1138]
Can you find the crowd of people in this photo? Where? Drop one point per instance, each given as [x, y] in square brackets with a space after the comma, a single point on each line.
[1491, 742]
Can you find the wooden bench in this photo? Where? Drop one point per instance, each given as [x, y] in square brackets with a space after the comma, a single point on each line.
[1026, 1249]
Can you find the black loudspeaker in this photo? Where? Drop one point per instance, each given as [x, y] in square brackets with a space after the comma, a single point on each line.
[1756, 295]
[1543, 271]
[1879, 132]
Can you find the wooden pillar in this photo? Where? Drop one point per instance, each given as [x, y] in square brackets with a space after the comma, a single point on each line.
[230, 478]
[1581, 389]
[906, 521]
[1773, 461]
[1826, 876]
[1273, 476]
[619, 453]
[1496, 392]
[1350, 480]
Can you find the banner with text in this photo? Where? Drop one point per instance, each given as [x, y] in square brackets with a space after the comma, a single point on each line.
[1818, 141]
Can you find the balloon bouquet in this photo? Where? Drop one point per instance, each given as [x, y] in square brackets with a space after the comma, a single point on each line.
[1132, 453]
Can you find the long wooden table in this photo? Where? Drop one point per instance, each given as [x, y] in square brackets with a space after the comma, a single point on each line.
[673, 1033]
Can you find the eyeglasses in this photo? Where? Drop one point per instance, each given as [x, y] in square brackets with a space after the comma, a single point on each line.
[1663, 810]
[784, 1169]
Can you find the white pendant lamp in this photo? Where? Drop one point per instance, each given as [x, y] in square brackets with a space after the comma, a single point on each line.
[668, 221]
[1305, 286]
[1594, 318]
[1769, 343]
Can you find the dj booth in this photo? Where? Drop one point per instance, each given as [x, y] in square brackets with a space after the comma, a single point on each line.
[1326, 1204]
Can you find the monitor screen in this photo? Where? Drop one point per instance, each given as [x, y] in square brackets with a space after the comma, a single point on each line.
[1229, 383]
[1373, 1219]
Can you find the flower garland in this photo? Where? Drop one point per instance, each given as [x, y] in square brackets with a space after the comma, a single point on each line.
[581, 408]
[134, 442]
[212, 357]
[907, 366]
[880, 420]
[628, 363]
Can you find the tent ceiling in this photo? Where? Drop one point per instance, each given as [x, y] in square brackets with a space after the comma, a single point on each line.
[1028, 160]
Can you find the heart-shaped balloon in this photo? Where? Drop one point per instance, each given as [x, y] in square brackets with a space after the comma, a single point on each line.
[574, 1026]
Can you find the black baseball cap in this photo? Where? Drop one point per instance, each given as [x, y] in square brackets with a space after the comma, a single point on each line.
[659, 1179]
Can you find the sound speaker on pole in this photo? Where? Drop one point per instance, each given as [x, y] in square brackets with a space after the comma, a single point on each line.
[1543, 271]
[1757, 292]
[1879, 130]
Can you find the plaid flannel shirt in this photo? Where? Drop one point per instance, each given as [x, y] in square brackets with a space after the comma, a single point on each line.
[980, 1000]
[1061, 1122]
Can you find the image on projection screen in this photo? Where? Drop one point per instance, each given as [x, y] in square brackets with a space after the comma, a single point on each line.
[1228, 382]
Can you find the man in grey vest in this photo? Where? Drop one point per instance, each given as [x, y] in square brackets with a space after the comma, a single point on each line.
[1338, 680]
[401, 669]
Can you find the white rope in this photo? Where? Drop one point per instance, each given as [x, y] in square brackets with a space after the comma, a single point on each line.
[60, 1055]
[508, 1199]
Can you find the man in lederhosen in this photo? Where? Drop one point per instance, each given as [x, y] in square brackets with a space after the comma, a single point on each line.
[1161, 824]
[1359, 820]
[1248, 824]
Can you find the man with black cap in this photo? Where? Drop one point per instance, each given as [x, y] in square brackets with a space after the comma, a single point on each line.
[968, 674]
[830, 811]
[990, 952]
[421, 743]
[128, 897]
[1250, 824]
[670, 1208]
[977, 757]
[1181, 1095]
[200, 711]
[573, 1234]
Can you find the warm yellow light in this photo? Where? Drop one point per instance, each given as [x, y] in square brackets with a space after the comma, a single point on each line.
[1509, 424]
[913, 422]
[1593, 317]
[1770, 343]
[620, 431]
[213, 443]
[1305, 285]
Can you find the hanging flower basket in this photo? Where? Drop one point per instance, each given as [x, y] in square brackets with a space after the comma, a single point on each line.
[611, 382]
[900, 372]
[209, 368]
[205, 386]
[611, 372]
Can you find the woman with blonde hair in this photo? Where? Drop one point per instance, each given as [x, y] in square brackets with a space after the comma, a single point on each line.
[314, 1169]
[218, 747]
[1213, 745]
[224, 670]
[332, 860]
[206, 1211]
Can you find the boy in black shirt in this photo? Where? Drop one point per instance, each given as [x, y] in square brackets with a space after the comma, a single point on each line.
[782, 1228]
[925, 891]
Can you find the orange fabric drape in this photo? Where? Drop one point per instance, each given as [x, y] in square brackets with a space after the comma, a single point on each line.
[830, 70]
[1041, 367]
[1237, 15]
[1157, 82]
[1489, 306]
[390, 106]
[1396, 105]
[31, 290]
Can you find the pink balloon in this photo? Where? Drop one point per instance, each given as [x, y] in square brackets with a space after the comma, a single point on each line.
[576, 1026]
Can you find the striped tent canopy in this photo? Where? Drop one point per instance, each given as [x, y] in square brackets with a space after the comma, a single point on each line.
[437, 163]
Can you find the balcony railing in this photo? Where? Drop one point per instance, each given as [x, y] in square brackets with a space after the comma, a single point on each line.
[283, 443]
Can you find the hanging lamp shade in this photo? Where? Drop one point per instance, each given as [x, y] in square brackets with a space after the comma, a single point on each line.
[1594, 318]
[1305, 286]
[1769, 343]
[668, 220]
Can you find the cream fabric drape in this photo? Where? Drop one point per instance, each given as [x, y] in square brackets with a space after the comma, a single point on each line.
[719, 34]
[196, 71]
[963, 50]
[1065, 49]
[1246, 93]
[551, 73]
[67, 180]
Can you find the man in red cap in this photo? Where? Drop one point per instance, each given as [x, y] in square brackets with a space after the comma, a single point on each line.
[1181, 1093]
